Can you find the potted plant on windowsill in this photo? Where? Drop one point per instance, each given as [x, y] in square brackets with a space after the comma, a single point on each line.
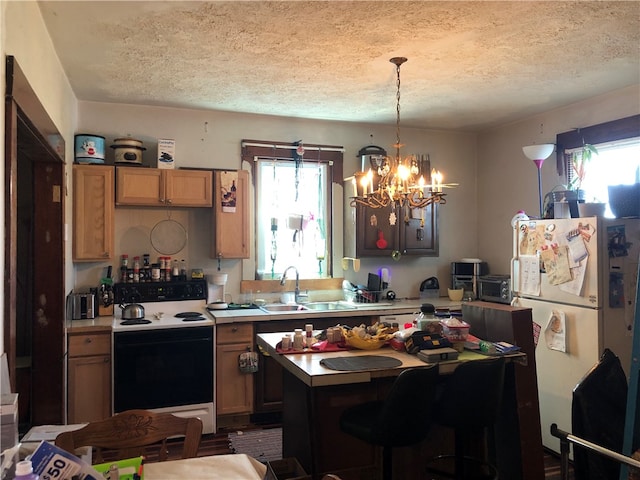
[572, 192]
[580, 160]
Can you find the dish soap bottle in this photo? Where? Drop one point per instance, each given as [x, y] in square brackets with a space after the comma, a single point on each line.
[24, 471]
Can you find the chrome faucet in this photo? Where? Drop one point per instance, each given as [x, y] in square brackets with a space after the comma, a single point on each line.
[284, 277]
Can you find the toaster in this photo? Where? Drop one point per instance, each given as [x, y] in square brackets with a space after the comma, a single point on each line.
[82, 306]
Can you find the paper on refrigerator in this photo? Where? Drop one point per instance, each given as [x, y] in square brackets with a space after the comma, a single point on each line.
[555, 331]
[529, 278]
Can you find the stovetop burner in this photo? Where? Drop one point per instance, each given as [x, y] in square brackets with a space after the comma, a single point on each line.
[135, 321]
[168, 314]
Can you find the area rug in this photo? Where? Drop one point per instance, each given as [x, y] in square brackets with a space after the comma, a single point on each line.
[264, 445]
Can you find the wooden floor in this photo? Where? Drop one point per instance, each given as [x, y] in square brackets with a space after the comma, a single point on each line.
[218, 444]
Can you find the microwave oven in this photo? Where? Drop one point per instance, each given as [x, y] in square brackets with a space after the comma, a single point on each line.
[495, 288]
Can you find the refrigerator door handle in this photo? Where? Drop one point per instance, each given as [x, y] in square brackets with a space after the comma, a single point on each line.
[515, 276]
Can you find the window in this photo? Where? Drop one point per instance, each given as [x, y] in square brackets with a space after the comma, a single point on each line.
[617, 163]
[293, 205]
[291, 217]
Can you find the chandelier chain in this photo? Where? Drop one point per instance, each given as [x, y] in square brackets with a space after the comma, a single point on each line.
[398, 112]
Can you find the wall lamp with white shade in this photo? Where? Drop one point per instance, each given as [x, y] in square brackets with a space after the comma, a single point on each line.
[539, 153]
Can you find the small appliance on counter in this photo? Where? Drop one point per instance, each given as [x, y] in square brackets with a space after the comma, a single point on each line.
[81, 306]
[495, 288]
[430, 288]
[465, 274]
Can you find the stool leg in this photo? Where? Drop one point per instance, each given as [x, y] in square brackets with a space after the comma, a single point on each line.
[387, 467]
[459, 455]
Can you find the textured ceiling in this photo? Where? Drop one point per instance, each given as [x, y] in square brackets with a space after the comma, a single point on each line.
[471, 64]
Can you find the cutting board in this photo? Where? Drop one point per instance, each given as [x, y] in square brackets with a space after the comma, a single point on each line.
[374, 285]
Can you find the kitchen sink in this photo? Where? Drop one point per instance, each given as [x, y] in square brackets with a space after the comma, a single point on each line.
[315, 306]
[328, 306]
[283, 308]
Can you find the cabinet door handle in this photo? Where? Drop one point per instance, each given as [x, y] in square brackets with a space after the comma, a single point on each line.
[88, 340]
[106, 359]
[234, 329]
[169, 200]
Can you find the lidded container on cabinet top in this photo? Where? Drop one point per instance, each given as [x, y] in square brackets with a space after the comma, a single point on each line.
[89, 148]
[128, 151]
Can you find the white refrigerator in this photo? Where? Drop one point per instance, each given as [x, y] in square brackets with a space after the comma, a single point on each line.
[579, 277]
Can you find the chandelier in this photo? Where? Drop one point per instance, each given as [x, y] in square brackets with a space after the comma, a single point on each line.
[399, 181]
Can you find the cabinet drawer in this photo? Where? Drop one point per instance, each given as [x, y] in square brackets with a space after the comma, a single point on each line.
[238, 332]
[89, 344]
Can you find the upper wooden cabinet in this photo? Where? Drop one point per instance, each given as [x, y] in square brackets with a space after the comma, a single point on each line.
[93, 222]
[231, 223]
[373, 232]
[153, 187]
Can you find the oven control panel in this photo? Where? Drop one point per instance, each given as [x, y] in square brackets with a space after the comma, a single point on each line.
[160, 291]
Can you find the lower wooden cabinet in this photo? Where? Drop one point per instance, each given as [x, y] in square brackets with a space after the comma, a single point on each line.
[89, 382]
[268, 380]
[234, 389]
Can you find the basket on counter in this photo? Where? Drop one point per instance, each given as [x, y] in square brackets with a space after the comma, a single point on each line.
[362, 296]
[370, 343]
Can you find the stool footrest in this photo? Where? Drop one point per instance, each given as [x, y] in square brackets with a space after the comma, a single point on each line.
[492, 472]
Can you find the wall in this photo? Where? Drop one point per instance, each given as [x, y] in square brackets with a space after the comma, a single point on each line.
[507, 180]
[26, 38]
[211, 139]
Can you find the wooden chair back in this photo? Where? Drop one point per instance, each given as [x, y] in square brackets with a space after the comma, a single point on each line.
[131, 431]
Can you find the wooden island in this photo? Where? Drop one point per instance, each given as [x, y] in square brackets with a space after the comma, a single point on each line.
[315, 396]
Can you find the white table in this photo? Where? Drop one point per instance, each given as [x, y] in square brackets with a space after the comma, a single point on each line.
[215, 467]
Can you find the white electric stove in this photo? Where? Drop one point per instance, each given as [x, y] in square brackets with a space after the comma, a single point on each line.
[165, 362]
[166, 305]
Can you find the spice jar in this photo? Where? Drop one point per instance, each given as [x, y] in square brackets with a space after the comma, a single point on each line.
[155, 272]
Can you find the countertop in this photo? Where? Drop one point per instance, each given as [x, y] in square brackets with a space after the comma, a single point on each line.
[307, 367]
[397, 307]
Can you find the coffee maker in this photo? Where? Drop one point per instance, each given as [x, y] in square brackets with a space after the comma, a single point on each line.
[465, 275]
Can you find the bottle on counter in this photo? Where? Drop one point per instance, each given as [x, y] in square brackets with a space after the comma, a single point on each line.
[165, 273]
[298, 340]
[145, 272]
[124, 264]
[24, 471]
[175, 270]
[183, 270]
[136, 269]
[155, 272]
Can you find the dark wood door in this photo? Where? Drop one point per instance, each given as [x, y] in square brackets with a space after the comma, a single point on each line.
[34, 257]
